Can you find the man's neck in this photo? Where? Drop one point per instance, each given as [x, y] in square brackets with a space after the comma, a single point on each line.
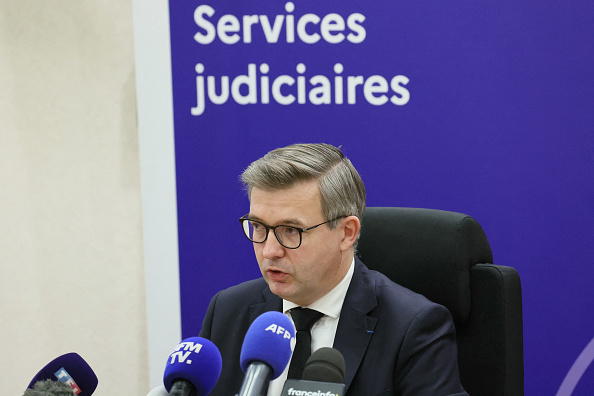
[331, 303]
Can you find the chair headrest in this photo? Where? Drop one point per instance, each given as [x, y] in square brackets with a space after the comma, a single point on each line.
[428, 251]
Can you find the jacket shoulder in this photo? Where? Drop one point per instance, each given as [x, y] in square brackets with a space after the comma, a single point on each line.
[247, 291]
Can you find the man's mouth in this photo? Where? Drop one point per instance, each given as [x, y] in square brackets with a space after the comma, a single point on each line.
[276, 275]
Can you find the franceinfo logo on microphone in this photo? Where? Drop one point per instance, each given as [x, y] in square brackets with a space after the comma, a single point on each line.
[298, 392]
[312, 388]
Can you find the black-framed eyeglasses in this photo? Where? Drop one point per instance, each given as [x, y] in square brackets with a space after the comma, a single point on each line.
[288, 236]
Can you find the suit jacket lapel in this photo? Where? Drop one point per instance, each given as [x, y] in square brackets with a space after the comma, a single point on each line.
[271, 302]
[355, 327]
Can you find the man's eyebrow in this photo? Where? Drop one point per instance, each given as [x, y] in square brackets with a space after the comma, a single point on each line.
[291, 222]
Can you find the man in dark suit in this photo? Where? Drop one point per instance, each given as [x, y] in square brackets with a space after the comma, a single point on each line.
[306, 205]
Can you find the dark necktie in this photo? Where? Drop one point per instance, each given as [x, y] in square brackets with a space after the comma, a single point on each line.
[304, 319]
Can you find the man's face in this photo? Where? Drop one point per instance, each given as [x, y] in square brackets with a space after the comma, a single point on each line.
[305, 274]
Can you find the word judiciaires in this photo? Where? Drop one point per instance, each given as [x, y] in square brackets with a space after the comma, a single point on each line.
[252, 88]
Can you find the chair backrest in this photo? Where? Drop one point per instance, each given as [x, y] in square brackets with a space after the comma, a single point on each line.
[446, 257]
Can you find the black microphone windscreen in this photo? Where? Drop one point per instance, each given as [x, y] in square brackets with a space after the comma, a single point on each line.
[325, 365]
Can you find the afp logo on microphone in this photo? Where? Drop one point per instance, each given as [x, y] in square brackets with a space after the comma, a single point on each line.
[278, 329]
[284, 333]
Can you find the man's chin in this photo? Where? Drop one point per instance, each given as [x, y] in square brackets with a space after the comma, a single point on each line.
[287, 292]
[282, 290]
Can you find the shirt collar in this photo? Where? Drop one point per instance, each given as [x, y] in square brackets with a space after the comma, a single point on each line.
[331, 303]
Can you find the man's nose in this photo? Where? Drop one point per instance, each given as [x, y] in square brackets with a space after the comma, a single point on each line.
[272, 247]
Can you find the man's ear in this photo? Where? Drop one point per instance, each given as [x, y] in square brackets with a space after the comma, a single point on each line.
[351, 226]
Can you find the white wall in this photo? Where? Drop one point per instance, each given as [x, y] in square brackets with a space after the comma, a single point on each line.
[157, 164]
[71, 256]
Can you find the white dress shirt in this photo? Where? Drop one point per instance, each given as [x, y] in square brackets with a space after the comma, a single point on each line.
[324, 330]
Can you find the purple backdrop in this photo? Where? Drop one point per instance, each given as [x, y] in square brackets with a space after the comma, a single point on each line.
[496, 121]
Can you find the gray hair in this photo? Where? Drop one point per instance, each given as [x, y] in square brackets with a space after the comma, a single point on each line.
[341, 187]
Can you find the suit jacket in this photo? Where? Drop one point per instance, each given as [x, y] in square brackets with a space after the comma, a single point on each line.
[394, 341]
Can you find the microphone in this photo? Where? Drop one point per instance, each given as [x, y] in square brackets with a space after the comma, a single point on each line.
[70, 369]
[158, 391]
[266, 351]
[325, 365]
[193, 368]
[323, 374]
[49, 388]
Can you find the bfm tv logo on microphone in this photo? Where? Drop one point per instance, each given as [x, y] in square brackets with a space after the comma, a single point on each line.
[63, 376]
[183, 351]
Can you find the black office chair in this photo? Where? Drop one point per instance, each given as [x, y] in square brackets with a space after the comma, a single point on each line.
[446, 257]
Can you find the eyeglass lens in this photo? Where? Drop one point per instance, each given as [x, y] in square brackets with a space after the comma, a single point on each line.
[288, 236]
